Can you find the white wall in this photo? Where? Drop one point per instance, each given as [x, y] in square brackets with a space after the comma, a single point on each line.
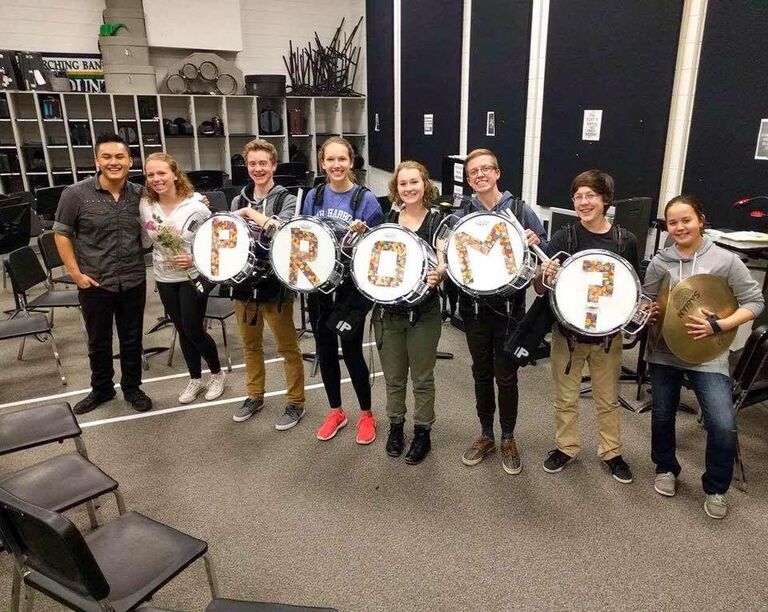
[267, 26]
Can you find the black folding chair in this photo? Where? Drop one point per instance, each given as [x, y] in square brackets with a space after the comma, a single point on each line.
[61, 482]
[36, 325]
[206, 180]
[216, 200]
[47, 203]
[46, 242]
[286, 180]
[25, 272]
[15, 226]
[115, 568]
[750, 384]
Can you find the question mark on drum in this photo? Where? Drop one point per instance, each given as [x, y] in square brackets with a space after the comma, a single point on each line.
[595, 292]
[223, 236]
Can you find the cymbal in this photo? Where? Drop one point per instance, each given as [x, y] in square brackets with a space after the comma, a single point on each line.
[655, 334]
[701, 291]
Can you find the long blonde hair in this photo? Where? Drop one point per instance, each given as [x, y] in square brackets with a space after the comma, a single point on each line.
[350, 151]
[430, 191]
[184, 188]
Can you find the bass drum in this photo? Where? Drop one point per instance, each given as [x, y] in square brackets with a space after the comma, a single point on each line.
[390, 265]
[597, 293]
[487, 255]
[226, 249]
[306, 255]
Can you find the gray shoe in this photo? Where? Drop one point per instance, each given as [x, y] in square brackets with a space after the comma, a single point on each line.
[665, 484]
[715, 506]
[250, 407]
[510, 457]
[290, 418]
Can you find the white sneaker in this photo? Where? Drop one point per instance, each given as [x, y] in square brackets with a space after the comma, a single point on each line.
[194, 388]
[216, 386]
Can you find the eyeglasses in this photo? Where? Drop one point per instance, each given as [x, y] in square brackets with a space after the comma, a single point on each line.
[481, 170]
[585, 197]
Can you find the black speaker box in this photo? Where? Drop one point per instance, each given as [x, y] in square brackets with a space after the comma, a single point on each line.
[32, 71]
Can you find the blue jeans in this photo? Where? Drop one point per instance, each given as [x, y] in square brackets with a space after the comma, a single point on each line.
[714, 394]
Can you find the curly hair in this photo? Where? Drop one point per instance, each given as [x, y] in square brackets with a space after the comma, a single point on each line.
[184, 188]
[430, 191]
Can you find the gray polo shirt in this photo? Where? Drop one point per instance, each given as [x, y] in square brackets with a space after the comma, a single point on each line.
[106, 233]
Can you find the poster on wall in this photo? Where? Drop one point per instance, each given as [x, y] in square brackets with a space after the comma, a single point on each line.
[593, 120]
[761, 151]
[84, 70]
[429, 124]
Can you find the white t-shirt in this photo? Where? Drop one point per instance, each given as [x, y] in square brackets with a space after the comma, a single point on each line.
[157, 227]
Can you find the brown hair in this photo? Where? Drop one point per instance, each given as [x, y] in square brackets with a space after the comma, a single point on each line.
[598, 181]
[184, 188]
[350, 151]
[259, 144]
[430, 191]
[479, 152]
[692, 201]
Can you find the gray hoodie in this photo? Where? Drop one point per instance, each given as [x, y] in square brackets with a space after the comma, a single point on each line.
[708, 259]
[266, 205]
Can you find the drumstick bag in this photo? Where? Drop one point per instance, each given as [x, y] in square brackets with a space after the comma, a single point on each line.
[523, 343]
[348, 313]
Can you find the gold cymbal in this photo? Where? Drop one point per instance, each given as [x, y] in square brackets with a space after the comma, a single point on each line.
[701, 291]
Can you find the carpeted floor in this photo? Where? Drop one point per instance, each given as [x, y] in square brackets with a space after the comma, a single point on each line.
[292, 519]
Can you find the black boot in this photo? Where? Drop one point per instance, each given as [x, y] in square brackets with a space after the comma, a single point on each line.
[396, 440]
[420, 446]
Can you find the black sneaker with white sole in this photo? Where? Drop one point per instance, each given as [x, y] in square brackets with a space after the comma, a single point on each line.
[556, 461]
[619, 469]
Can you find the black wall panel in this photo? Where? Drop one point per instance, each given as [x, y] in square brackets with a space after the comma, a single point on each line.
[615, 56]
[431, 79]
[381, 83]
[731, 99]
[498, 82]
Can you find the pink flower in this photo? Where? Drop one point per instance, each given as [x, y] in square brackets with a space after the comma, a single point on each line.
[150, 226]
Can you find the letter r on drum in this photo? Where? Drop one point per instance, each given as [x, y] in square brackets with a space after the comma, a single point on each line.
[223, 236]
[300, 258]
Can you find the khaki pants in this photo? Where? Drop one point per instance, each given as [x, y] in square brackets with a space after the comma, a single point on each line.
[604, 369]
[280, 321]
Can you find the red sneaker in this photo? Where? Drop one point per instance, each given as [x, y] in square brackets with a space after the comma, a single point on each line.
[366, 428]
[335, 420]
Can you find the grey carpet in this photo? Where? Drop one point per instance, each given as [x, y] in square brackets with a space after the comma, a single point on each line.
[292, 519]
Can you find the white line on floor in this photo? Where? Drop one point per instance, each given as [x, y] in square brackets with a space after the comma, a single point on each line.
[144, 381]
[231, 400]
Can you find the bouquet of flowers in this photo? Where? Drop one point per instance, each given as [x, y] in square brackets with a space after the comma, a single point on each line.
[170, 240]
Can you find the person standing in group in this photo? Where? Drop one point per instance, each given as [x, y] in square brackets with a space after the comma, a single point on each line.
[592, 193]
[98, 237]
[489, 321]
[407, 337]
[340, 200]
[267, 301]
[169, 202]
[693, 253]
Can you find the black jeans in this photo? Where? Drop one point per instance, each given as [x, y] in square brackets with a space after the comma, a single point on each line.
[327, 346]
[485, 338]
[126, 308]
[185, 306]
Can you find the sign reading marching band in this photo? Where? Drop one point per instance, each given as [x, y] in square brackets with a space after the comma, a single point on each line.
[84, 70]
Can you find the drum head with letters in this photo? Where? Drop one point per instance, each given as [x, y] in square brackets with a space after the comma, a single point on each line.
[221, 247]
[388, 263]
[596, 292]
[304, 253]
[484, 253]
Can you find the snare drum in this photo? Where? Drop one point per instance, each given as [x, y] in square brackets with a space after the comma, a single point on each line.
[390, 265]
[597, 293]
[487, 255]
[306, 255]
[226, 249]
